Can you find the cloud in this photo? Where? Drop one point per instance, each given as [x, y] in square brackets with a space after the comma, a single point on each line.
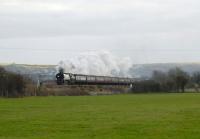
[97, 7]
[106, 24]
[32, 7]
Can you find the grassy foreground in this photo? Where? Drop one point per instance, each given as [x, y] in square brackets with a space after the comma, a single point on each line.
[146, 116]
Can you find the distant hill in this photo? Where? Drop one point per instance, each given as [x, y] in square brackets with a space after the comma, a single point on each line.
[35, 72]
[145, 70]
[47, 72]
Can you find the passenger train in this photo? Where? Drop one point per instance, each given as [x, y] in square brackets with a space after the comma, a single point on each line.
[81, 79]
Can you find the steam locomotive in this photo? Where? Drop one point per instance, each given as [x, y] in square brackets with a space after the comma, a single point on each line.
[80, 79]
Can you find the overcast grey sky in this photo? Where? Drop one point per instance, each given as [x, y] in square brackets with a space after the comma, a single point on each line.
[147, 31]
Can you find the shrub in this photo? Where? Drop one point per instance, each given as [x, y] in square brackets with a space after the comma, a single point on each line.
[11, 85]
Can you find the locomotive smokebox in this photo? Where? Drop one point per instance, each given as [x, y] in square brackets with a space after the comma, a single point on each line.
[60, 77]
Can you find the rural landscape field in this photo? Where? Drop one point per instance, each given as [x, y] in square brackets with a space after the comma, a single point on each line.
[131, 116]
[99, 69]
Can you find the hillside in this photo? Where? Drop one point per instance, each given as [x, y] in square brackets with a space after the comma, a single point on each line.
[35, 72]
[145, 70]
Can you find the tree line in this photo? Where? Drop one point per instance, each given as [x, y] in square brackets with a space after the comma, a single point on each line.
[11, 84]
[175, 80]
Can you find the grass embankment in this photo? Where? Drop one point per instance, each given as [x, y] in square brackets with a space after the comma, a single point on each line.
[146, 116]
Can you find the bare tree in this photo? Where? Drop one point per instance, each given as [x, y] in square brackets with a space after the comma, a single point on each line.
[179, 77]
[11, 85]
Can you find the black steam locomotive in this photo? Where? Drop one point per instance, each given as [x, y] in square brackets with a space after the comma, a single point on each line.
[80, 79]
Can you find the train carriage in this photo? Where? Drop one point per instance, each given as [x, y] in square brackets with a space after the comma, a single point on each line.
[80, 79]
[91, 78]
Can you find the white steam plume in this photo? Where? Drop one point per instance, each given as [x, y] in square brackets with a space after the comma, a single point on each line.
[97, 63]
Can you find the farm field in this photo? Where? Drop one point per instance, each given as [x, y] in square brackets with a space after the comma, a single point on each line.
[142, 116]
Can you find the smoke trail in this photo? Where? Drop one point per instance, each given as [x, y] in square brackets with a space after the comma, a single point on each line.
[97, 63]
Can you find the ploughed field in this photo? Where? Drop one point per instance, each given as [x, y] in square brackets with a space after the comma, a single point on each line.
[144, 116]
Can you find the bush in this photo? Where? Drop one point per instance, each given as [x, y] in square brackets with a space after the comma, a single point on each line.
[175, 80]
[146, 86]
[11, 85]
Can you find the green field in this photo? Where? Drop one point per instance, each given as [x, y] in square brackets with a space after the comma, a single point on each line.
[146, 116]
